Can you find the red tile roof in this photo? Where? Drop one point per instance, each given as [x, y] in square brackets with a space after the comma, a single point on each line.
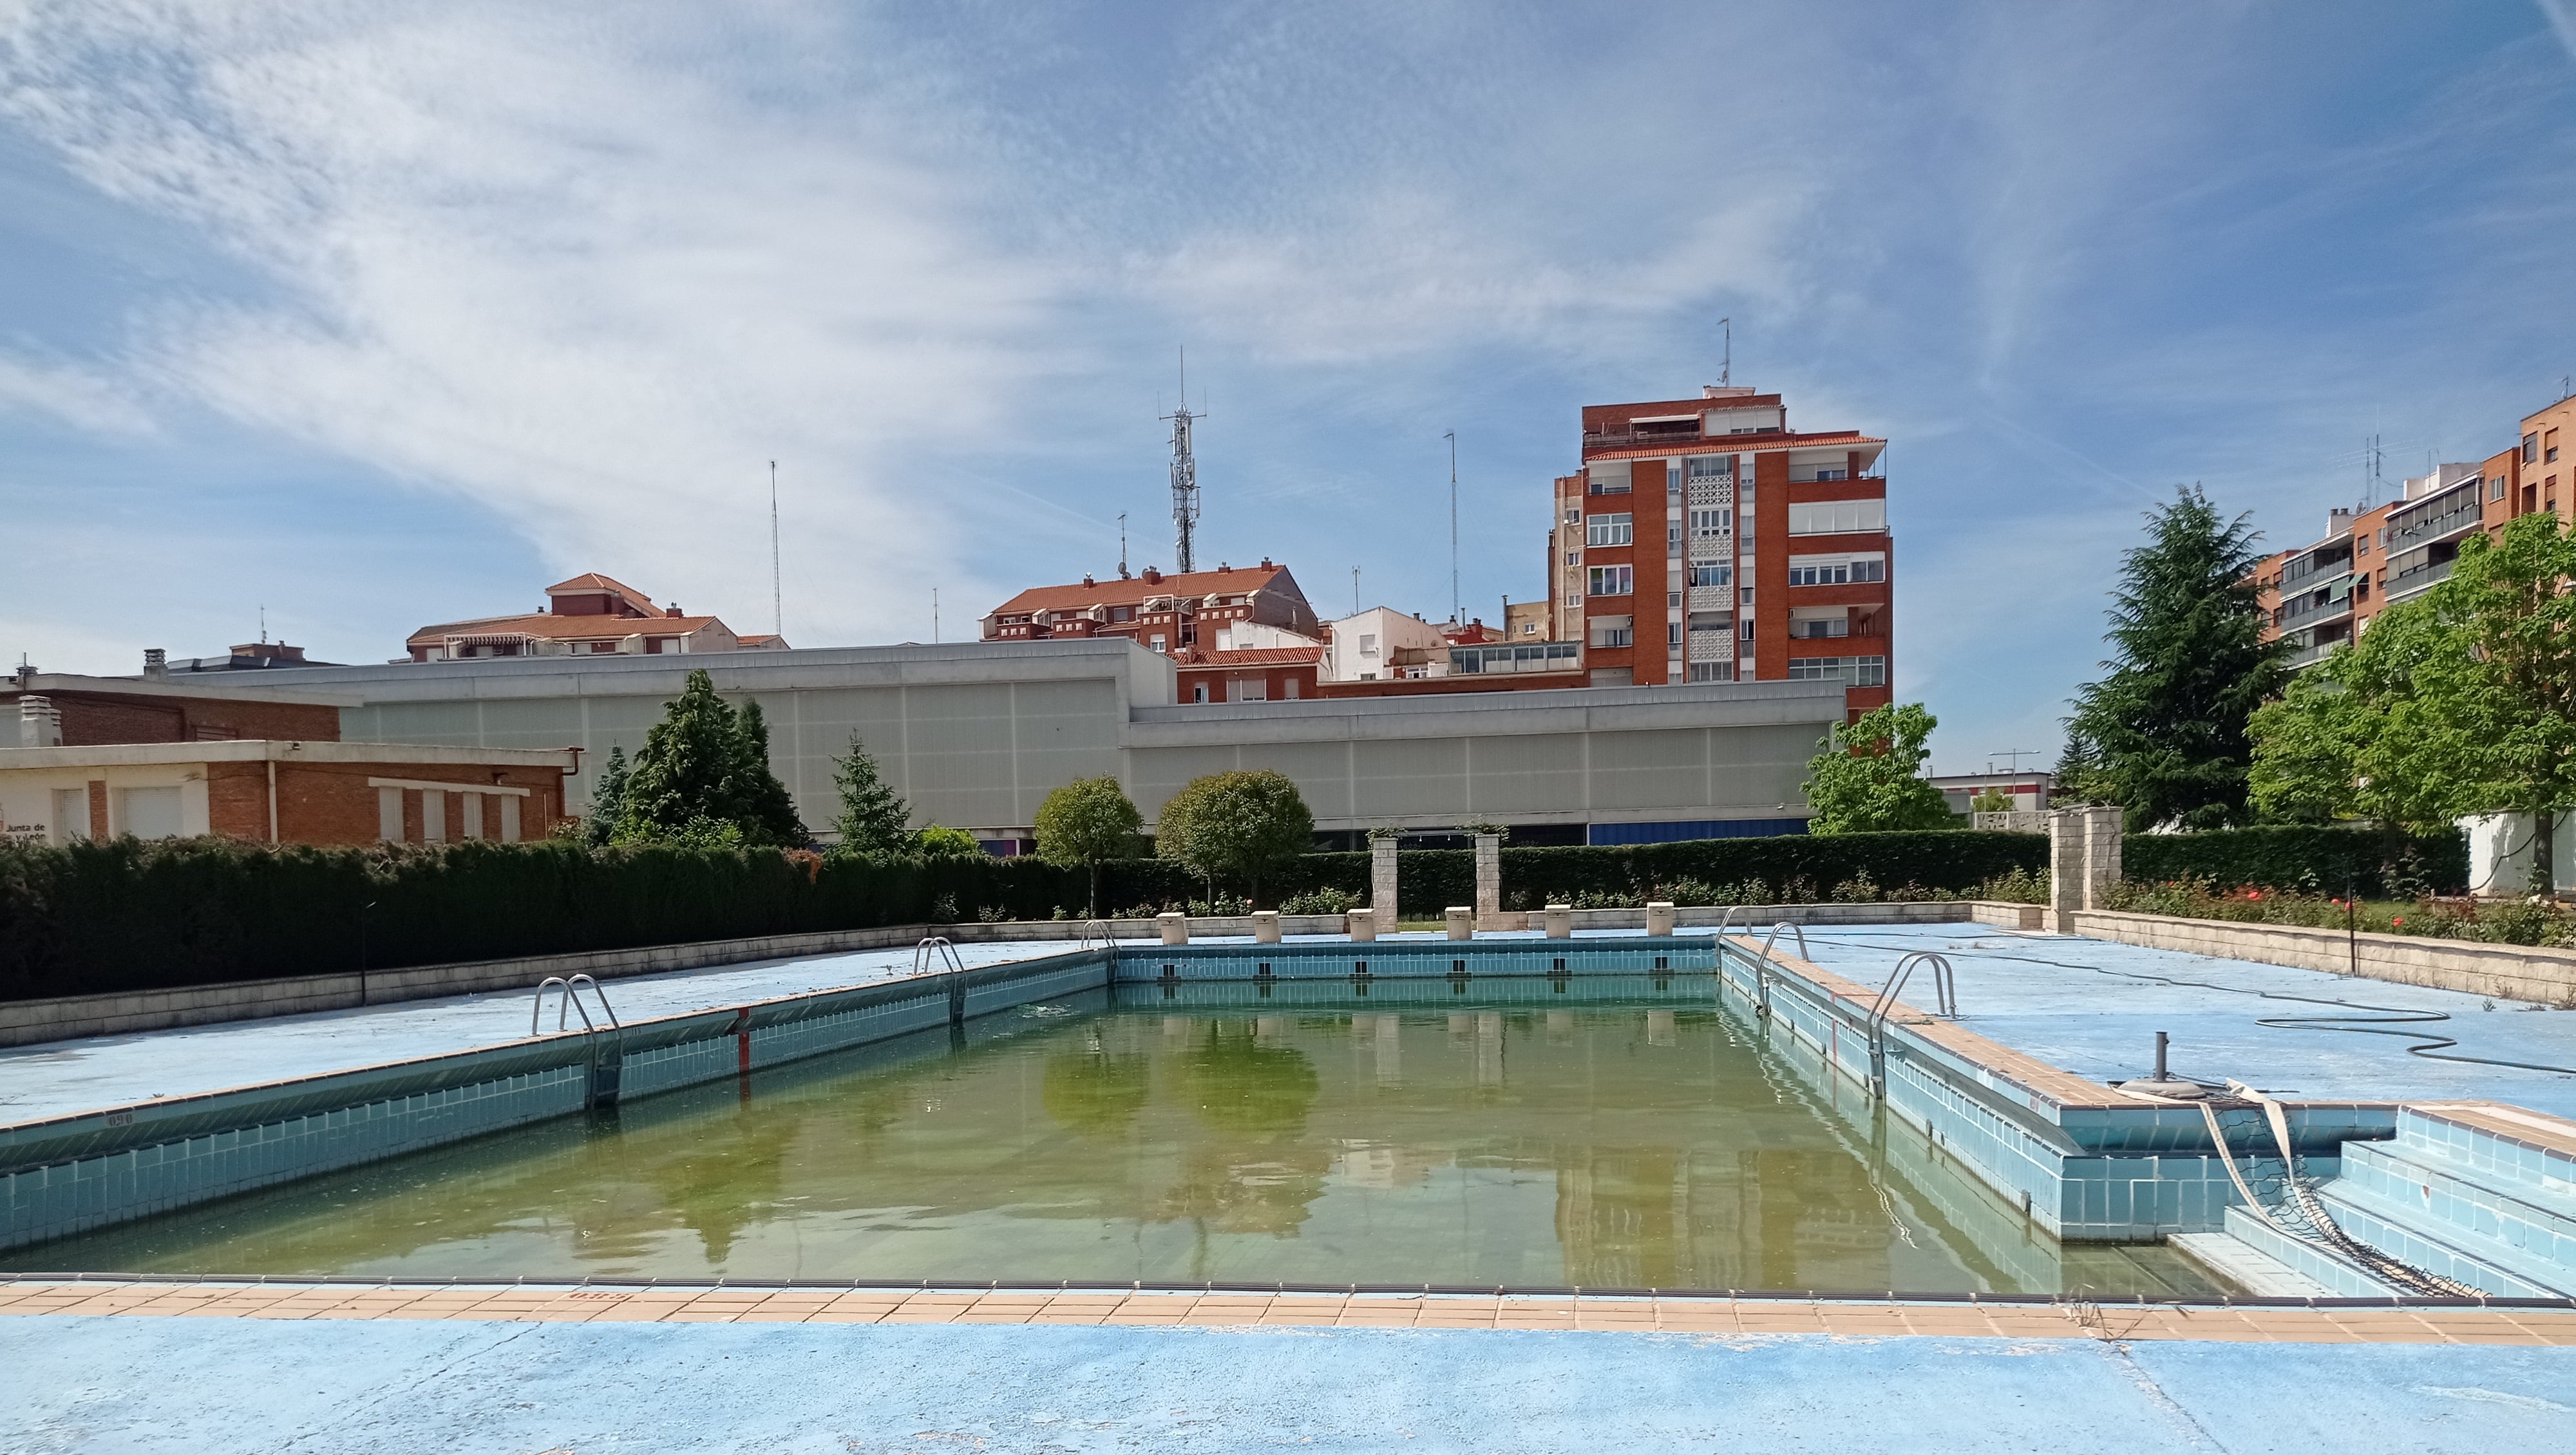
[1263, 657]
[593, 581]
[1241, 580]
[551, 627]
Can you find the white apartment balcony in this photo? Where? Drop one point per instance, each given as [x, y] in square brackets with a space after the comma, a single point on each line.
[1713, 646]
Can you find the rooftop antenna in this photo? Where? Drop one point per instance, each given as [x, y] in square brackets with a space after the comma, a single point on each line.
[1726, 366]
[263, 623]
[777, 594]
[1355, 591]
[1185, 475]
[1122, 545]
[1456, 612]
[2016, 754]
[934, 613]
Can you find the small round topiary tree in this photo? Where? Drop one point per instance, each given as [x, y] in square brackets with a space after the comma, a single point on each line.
[1085, 824]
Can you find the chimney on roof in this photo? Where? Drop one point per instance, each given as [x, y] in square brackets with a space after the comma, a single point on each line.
[1086, 579]
[156, 664]
[1153, 576]
[1265, 561]
[1222, 566]
[40, 723]
[675, 608]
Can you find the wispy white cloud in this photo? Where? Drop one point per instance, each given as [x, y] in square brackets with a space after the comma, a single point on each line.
[71, 394]
[523, 259]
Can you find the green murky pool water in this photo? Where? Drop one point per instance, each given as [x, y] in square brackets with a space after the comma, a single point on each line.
[1603, 1144]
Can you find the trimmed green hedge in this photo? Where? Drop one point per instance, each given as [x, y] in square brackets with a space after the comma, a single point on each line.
[124, 915]
[2375, 862]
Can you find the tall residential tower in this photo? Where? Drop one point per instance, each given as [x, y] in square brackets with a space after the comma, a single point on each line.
[1705, 541]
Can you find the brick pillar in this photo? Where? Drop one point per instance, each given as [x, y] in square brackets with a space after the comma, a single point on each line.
[1489, 884]
[2065, 867]
[2102, 828]
[1382, 883]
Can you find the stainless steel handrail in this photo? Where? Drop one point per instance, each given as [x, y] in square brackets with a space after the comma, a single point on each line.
[928, 953]
[570, 1003]
[1108, 941]
[1945, 994]
[1786, 923]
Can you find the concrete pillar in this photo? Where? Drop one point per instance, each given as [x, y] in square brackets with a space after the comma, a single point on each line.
[1363, 924]
[1659, 917]
[1560, 921]
[2066, 834]
[1462, 922]
[1265, 927]
[1489, 883]
[1175, 927]
[1382, 882]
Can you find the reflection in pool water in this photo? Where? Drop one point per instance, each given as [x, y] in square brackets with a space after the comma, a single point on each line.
[1604, 1145]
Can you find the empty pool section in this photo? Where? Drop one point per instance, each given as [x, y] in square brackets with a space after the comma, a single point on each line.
[977, 734]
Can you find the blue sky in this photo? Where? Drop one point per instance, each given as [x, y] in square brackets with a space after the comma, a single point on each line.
[378, 315]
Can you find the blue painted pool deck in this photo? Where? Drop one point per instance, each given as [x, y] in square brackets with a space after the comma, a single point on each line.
[2075, 1004]
[81, 1383]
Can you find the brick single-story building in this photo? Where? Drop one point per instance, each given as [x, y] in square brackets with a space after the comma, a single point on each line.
[282, 792]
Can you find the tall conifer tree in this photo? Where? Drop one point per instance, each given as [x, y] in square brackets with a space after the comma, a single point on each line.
[2189, 666]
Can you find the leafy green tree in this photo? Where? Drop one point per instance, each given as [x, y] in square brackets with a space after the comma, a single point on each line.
[2462, 701]
[607, 801]
[1237, 825]
[1870, 777]
[2187, 670]
[1085, 824]
[1990, 800]
[705, 761]
[936, 842]
[874, 818]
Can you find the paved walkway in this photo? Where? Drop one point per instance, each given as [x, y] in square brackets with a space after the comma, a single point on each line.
[771, 1376]
[2094, 1007]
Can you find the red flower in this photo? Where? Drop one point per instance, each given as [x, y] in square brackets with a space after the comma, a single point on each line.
[2401, 919]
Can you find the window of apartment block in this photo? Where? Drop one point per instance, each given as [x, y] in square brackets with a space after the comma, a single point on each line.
[1156, 641]
[2495, 488]
[1672, 634]
[71, 815]
[1572, 557]
[1837, 517]
[1199, 693]
[1712, 467]
[1122, 613]
[1573, 513]
[1712, 671]
[1613, 580]
[1368, 644]
[1748, 596]
[1288, 689]
[1609, 530]
[1613, 631]
[1708, 523]
[1711, 573]
[2531, 449]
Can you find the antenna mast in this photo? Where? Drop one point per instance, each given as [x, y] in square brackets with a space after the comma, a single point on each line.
[1122, 545]
[1726, 368]
[777, 595]
[1457, 613]
[1185, 475]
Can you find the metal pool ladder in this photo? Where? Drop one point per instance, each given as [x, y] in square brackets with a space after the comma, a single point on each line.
[606, 1064]
[928, 956]
[1108, 941]
[1945, 994]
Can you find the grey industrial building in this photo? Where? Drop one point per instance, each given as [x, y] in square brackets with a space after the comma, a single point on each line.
[975, 735]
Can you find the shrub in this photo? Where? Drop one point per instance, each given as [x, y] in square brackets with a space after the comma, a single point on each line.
[1320, 901]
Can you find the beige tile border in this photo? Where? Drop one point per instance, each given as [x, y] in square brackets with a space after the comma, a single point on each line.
[1148, 1309]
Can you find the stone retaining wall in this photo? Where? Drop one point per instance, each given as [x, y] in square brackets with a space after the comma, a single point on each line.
[2503, 972]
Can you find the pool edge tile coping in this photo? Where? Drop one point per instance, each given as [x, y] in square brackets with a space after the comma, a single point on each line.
[1696, 1313]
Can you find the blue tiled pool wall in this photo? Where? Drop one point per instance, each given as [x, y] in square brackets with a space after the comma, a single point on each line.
[1414, 959]
[62, 1198]
[2087, 1174]
[79, 1173]
[1427, 992]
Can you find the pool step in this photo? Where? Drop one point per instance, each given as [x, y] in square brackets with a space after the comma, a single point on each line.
[2533, 1225]
[2402, 1230]
[2248, 1267]
[2340, 1277]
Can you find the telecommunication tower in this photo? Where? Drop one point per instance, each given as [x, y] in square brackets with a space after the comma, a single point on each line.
[1185, 474]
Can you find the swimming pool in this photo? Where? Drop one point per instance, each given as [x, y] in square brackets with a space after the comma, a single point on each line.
[1594, 1130]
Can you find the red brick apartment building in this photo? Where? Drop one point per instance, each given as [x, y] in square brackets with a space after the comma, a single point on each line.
[98, 757]
[1706, 541]
[2324, 594]
[1236, 634]
[590, 614]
